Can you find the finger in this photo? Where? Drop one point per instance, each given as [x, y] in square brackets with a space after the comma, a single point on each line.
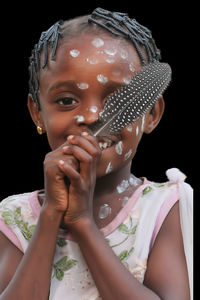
[86, 142]
[69, 171]
[87, 162]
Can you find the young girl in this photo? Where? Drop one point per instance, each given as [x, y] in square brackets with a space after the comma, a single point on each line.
[95, 231]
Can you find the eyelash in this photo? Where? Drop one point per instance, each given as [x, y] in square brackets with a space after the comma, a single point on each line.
[68, 99]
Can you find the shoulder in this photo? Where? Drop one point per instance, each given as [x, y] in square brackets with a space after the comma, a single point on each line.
[168, 271]
[166, 268]
[18, 218]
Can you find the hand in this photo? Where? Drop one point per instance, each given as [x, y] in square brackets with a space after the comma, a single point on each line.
[82, 180]
[56, 184]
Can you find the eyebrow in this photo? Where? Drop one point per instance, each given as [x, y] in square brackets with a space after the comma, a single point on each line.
[59, 84]
[73, 84]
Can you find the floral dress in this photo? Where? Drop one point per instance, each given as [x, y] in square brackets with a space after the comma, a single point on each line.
[131, 234]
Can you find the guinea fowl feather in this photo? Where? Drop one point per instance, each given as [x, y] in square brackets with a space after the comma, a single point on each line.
[131, 101]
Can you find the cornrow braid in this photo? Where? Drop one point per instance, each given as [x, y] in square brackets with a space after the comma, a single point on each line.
[119, 24]
[48, 38]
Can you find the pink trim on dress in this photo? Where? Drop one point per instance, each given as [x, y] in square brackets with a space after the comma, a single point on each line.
[112, 226]
[34, 203]
[165, 208]
[9, 234]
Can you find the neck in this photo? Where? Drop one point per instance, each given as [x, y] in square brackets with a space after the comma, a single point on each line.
[110, 181]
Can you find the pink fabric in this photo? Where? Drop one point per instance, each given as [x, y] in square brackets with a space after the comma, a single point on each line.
[123, 214]
[6, 230]
[165, 208]
[34, 203]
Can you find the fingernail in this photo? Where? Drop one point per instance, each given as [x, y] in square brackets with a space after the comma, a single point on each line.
[70, 137]
[61, 162]
[85, 133]
[65, 147]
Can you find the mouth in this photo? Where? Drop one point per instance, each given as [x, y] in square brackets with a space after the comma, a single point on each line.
[106, 142]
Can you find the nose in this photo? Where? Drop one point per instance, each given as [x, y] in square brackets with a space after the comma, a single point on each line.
[88, 115]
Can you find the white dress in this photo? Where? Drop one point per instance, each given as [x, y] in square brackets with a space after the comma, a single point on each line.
[131, 234]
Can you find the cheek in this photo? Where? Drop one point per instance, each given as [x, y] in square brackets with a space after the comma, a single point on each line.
[56, 129]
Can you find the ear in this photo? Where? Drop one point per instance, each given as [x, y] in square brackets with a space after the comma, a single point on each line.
[154, 116]
[35, 113]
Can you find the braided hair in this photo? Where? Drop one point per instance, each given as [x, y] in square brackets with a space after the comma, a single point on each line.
[118, 24]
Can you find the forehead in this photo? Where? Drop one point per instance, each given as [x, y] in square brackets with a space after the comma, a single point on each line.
[95, 49]
[92, 56]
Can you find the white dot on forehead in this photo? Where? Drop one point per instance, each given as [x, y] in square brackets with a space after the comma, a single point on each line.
[92, 61]
[74, 52]
[124, 54]
[97, 42]
[110, 60]
[101, 78]
[111, 51]
[83, 85]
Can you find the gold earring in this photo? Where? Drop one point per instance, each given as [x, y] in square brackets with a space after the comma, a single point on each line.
[39, 130]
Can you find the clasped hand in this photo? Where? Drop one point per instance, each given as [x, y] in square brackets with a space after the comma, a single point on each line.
[70, 177]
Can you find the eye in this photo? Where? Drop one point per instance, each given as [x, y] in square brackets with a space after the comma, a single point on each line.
[67, 101]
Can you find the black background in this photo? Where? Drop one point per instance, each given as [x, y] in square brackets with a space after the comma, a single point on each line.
[23, 150]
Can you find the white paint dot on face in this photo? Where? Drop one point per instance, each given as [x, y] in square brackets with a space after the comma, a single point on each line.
[127, 79]
[128, 154]
[92, 61]
[143, 122]
[93, 109]
[97, 42]
[131, 67]
[101, 78]
[137, 130]
[79, 118]
[119, 148]
[83, 86]
[110, 60]
[109, 168]
[74, 52]
[123, 54]
[111, 51]
[129, 128]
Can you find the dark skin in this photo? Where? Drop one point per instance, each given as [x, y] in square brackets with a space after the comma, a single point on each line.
[74, 203]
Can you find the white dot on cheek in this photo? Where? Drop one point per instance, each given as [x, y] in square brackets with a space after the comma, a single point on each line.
[118, 148]
[128, 154]
[109, 168]
[129, 128]
[137, 130]
[143, 122]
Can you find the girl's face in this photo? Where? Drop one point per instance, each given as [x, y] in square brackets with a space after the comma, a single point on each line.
[74, 89]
